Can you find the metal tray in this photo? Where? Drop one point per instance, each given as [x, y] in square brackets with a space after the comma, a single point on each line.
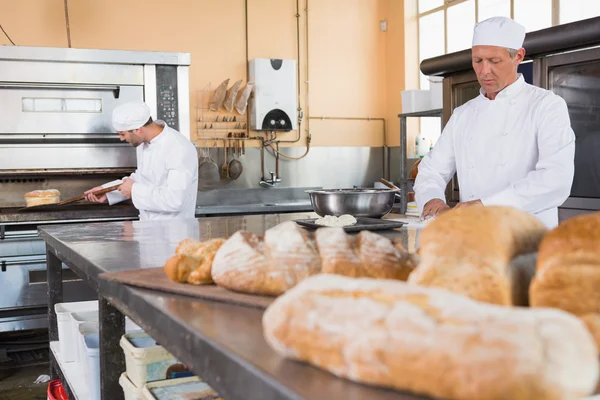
[362, 224]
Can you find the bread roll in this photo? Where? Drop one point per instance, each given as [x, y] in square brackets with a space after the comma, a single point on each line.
[249, 264]
[432, 342]
[364, 255]
[568, 267]
[39, 197]
[469, 250]
[192, 262]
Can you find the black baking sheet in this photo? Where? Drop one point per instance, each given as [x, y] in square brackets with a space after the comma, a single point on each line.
[362, 224]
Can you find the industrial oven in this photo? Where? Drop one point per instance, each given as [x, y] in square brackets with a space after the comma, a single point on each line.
[56, 133]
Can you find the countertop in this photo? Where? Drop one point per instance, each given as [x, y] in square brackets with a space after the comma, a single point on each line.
[222, 343]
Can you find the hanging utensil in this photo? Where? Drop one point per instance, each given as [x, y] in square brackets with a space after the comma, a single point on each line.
[235, 166]
[225, 165]
[208, 170]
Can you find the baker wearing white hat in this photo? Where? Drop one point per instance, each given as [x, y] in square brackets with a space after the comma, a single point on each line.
[165, 183]
[512, 145]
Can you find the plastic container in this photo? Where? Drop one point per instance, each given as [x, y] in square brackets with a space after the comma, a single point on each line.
[86, 328]
[416, 100]
[56, 391]
[130, 391]
[182, 388]
[437, 91]
[92, 352]
[78, 319]
[145, 360]
[66, 334]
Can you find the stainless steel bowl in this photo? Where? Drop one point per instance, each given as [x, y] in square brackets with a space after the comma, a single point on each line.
[374, 203]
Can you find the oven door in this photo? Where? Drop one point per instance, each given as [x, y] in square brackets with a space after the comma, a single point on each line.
[23, 279]
[575, 76]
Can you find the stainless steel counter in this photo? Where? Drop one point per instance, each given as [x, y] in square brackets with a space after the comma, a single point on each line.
[222, 343]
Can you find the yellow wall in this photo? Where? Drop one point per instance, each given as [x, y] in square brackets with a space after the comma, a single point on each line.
[355, 70]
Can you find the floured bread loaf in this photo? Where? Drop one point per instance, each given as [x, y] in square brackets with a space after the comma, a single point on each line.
[192, 262]
[364, 255]
[39, 197]
[469, 250]
[568, 267]
[433, 342]
[249, 264]
[333, 221]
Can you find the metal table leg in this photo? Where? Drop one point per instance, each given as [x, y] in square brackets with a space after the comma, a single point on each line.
[55, 295]
[112, 360]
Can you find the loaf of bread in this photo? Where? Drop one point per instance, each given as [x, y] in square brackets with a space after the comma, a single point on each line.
[39, 197]
[364, 255]
[432, 342]
[192, 262]
[469, 250]
[269, 266]
[568, 268]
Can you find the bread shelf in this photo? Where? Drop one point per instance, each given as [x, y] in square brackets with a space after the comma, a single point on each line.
[73, 374]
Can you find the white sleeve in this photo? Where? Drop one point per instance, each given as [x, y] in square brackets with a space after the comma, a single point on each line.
[436, 168]
[115, 196]
[171, 196]
[549, 185]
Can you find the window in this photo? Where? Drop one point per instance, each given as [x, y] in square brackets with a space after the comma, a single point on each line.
[446, 26]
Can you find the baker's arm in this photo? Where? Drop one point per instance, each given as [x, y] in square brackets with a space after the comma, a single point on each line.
[171, 196]
[437, 168]
[549, 185]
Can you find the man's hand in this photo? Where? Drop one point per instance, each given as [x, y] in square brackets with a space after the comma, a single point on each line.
[89, 196]
[434, 207]
[126, 186]
[469, 204]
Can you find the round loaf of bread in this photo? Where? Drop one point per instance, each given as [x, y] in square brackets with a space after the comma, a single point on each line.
[39, 197]
[270, 266]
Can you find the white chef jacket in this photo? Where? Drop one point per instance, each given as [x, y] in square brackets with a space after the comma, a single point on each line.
[166, 178]
[517, 150]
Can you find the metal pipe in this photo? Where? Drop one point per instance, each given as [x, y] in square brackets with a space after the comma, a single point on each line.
[247, 63]
[584, 33]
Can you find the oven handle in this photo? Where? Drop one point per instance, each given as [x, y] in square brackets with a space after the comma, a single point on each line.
[22, 260]
[34, 85]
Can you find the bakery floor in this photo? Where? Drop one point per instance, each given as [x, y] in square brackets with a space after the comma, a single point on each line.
[16, 383]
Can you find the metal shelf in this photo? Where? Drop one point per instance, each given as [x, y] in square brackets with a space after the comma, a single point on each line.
[73, 374]
[403, 184]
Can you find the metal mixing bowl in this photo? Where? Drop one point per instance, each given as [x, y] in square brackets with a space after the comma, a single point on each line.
[374, 203]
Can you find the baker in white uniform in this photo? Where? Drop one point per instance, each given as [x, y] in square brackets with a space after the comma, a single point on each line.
[165, 183]
[512, 145]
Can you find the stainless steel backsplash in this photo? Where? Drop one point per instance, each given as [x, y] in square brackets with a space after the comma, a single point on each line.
[327, 167]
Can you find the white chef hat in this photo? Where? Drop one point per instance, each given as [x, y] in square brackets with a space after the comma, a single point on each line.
[499, 31]
[131, 115]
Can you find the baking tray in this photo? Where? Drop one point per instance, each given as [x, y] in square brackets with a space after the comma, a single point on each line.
[362, 224]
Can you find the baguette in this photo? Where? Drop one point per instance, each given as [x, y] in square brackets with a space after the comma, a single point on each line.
[432, 342]
[469, 251]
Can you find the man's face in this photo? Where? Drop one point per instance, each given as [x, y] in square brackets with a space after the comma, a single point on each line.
[132, 137]
[494, 67]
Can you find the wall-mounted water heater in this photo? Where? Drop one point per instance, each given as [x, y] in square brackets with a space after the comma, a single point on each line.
[274, 106]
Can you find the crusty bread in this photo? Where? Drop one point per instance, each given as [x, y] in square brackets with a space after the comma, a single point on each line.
[469, 250]
[431, 341]
[269, 266]
[39, 197]
[568, 267]
[192, 262]
[364, 255]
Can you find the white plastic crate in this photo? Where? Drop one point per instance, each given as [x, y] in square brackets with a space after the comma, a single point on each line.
[66, 334]
[181, 388]
[145, 360]
[130, 391]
